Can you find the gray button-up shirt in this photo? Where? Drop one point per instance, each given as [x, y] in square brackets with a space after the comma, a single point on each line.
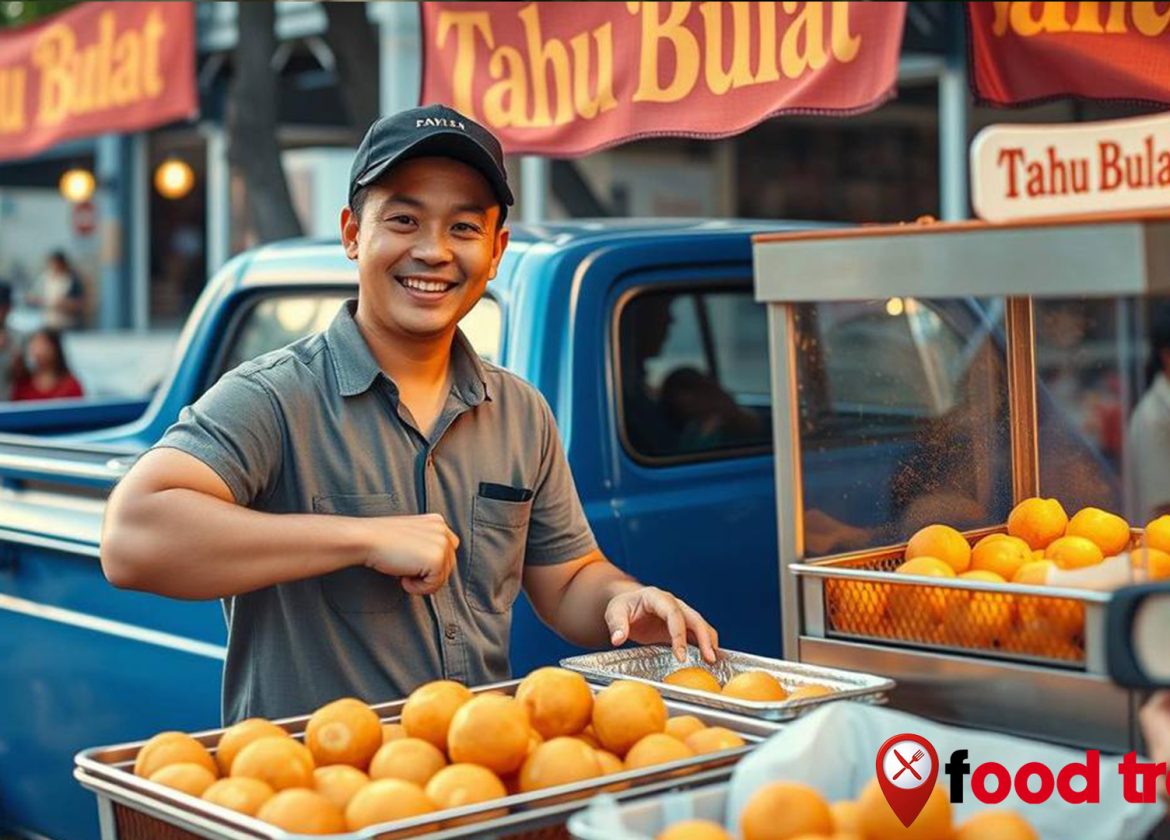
[318, 427]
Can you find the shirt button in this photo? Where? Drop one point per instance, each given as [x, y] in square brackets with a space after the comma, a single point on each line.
[450, 631]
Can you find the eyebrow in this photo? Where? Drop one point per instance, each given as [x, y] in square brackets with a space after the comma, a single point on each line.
[411, 201]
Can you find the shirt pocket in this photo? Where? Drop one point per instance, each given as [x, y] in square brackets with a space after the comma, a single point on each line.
[499, 533]
[358, 589]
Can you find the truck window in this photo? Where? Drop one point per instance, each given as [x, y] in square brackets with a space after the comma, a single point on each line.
[277, 320]
[693, 369]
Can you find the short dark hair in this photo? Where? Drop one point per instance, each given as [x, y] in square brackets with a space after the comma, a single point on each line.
[5, 294]
[358, 203]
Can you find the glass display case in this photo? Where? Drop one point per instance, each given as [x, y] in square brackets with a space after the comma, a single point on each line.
[941, 375]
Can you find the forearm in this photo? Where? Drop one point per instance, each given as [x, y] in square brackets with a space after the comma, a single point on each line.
[186, 544]
[579, 615]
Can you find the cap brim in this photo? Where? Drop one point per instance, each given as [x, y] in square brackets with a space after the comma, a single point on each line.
[450, 144]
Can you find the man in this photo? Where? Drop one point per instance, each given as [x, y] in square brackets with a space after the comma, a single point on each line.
[11, 365]
[62, 293]
[369, 501]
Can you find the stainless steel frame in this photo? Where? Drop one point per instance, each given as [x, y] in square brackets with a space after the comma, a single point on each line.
[1099, 257]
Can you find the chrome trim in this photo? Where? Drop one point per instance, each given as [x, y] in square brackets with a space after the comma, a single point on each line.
[87, 549]
[111, 470]
[110, 627]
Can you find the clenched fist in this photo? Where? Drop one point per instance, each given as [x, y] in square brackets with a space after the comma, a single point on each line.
[418, 549]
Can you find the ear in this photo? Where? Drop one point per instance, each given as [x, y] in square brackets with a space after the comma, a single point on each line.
[498, 246]
[349, 233]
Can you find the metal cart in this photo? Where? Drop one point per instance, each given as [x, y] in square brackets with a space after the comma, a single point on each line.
[836, 605]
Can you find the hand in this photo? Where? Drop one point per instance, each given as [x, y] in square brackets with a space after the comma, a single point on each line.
[651, 616]
[418, 549]
[1155, 720]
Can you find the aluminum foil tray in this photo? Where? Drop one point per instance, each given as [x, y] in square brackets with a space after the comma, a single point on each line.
[652, 663]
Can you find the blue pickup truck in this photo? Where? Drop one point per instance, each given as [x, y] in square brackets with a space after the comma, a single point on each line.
[646, 341]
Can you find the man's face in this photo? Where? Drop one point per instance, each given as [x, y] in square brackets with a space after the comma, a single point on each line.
[426, 244]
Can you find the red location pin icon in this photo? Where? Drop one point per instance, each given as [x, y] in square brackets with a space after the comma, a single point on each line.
[907, 767]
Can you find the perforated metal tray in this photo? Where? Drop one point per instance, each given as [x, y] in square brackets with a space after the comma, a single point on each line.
[652, 663]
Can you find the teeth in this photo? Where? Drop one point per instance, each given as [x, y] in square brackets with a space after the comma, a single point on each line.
[424, 285]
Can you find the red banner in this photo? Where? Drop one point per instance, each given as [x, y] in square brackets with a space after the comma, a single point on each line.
[1029, 52]
[97, 68]
[566, 79]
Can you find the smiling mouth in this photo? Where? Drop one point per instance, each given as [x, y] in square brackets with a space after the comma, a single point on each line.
[427, 287]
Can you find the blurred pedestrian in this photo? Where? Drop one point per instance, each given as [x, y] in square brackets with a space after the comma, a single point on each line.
[1148, 445]
[61, 294]
[10, 364]
[47, 375]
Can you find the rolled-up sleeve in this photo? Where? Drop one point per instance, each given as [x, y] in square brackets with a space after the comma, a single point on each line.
[558, 530]
[234, 428]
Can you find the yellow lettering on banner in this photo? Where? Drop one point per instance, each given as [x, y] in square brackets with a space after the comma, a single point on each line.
[1050, 19]
[999, 23]
[125, 86]
[541, 55]
[466, 25]
[152, 34]
[846, 45]
[587, 107]
[52, 55]
[1116, 22]
[809, 22]
[767, 71]
[719, 80]
[84, 71]
[505, 104]
[1088, 18]
[12, 88]
[686, 53]
[1147, 20]
[104, 50]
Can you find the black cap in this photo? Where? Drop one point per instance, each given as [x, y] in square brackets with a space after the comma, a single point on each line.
[430, 131]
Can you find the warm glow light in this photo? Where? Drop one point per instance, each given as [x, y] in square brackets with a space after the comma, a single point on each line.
[173, 178]
[77, 185]
[894, 306]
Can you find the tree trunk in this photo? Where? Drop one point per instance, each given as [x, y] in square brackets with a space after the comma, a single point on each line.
[253, 149]
[354, 43]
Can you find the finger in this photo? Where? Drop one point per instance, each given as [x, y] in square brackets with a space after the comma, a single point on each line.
[664, 605]
[453, 538]
[702, 632]
[617, 619]
[417, 586]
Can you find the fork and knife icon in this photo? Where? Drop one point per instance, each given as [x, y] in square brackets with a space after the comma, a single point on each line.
[906, 764]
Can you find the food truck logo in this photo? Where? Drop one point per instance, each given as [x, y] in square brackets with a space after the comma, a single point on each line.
[907, 767]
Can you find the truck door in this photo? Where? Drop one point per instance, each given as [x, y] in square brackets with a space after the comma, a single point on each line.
[693, 477]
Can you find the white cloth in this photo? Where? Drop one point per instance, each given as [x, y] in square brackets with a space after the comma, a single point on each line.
[834, 749]
[1147, 451]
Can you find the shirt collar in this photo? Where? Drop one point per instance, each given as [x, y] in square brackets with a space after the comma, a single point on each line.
[356, 368]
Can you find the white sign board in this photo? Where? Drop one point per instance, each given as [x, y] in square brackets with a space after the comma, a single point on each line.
[1024, 172]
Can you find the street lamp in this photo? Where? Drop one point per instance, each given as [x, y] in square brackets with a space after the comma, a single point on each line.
[174, 178]
[77, 185]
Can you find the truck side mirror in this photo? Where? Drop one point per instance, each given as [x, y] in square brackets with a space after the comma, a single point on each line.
[1137, 636]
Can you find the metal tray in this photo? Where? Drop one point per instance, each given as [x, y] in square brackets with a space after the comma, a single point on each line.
[108, 772]
[841, 598]
[650, 664]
